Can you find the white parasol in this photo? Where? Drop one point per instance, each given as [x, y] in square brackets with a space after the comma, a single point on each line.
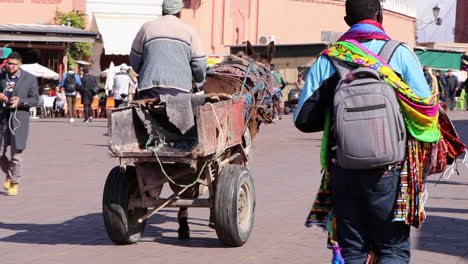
[40, 71]
[109, 73]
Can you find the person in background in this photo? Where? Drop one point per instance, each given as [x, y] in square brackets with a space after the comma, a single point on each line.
[132, 91]
[276, 97]
[60, 103]
[122, 84]
[441, 83]
[19, 92]
[277, 94]
[88, 90]
[71, 83]
[428, 76]
[451, 89]
[299, 82]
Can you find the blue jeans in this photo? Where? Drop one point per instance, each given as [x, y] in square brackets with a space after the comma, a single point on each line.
[364, 202]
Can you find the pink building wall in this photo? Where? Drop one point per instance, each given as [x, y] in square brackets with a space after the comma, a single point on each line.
[290, 21]
[35, 11]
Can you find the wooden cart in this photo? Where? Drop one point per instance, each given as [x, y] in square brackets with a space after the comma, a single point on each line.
[213, 160]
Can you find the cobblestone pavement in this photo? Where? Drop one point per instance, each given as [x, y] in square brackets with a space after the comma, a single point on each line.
[56, 218]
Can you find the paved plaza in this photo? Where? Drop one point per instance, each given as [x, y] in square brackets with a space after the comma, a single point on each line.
[56, 218]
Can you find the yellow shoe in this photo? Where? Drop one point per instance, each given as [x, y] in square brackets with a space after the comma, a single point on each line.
[7, 184]
[13, 189]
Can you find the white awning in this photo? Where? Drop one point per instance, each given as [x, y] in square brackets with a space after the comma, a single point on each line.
[40, 71]
[119, 31]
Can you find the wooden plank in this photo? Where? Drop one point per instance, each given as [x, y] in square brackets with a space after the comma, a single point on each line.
[228, 116]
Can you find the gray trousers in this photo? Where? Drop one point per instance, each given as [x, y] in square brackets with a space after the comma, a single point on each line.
[11, 166]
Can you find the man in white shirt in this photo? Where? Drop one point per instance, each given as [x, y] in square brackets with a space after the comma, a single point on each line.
[122, 83]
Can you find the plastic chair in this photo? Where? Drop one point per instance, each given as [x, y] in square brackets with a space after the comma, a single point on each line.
[79, 108]
[33, 112]
[95, 106]
[47, 105]
[460, 101]
[110, 104]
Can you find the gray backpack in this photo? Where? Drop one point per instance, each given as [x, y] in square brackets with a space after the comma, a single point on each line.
[370, 129]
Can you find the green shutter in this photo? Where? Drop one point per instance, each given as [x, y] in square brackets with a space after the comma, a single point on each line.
[440, 59]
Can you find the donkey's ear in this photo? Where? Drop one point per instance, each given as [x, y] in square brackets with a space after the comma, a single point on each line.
[270, 51]
[249, 49]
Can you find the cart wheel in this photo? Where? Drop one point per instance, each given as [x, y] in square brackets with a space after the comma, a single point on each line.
[234, 205]
[287, 110]
[121, 224]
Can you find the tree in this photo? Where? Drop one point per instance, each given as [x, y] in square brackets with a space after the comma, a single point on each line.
[76, 50]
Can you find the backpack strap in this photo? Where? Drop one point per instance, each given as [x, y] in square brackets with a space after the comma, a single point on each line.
[389, 48]
[342, 67]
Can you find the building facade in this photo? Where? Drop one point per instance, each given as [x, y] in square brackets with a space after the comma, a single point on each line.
[37, 11]
[230, 22]
[461, 27]
[29, 28]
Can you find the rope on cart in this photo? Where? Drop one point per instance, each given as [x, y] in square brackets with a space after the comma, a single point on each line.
[220, 149]
[154, 150]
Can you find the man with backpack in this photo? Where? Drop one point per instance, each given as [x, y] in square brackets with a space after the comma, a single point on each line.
[350, 95]
[71, 83]
[277, 94]
[88, 90]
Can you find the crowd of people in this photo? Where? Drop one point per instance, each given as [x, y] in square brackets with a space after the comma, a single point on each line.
[79, 83]
[448, 87]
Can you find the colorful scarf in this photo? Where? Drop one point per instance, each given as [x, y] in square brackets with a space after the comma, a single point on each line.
[421, 118]
[420, 114]
[366, 29]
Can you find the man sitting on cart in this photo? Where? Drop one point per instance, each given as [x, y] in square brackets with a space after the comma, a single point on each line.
[168, 55]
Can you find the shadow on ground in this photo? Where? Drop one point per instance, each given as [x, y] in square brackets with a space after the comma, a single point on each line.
[462, 125]
[444, 235]
[89, 230]
[436, 182]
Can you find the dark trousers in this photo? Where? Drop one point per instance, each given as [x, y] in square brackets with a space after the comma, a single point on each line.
[88, 111]
[364, 202]
[118, 102]
[450, 99]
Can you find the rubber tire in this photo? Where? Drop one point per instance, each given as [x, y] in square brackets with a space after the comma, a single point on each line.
[286, 110]
[121, 224]
[228, 188]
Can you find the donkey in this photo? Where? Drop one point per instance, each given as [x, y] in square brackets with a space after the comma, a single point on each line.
[219, 83]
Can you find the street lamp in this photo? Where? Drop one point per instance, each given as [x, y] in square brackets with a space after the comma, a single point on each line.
[436, 12]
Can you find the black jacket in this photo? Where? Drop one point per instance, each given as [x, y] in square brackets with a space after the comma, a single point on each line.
[89, 88]
[28, 91]
[452, 84]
